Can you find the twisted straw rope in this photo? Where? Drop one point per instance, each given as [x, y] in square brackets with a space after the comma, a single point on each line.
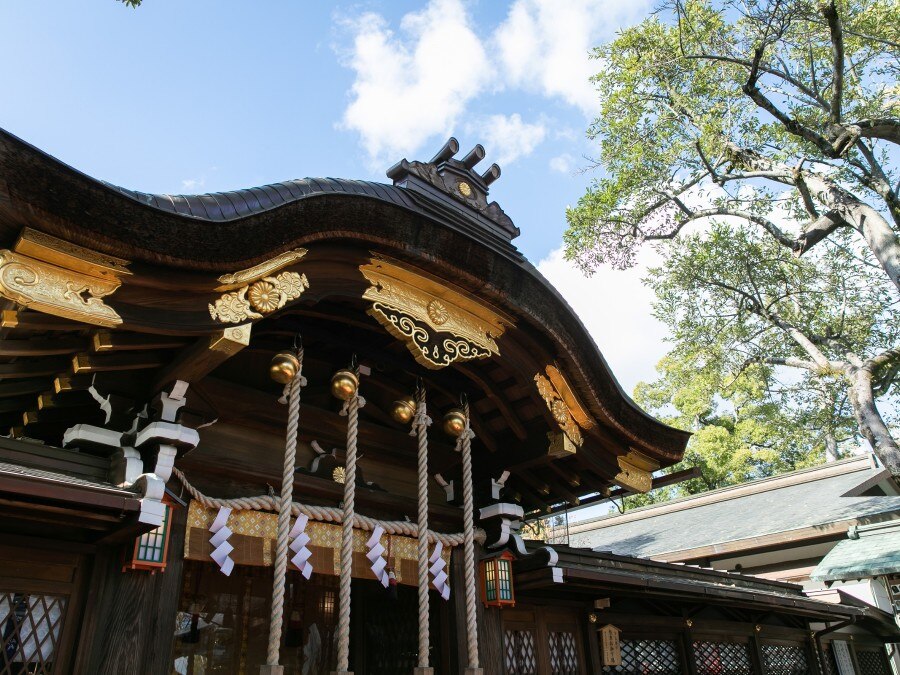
[324, 514]
[420, 429]
[465, 443]
[284, 515]
[343, 648]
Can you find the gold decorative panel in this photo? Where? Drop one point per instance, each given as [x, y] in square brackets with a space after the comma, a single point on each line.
[58, 277]
[259, 298]
[562, 404]
[438, 324]
[265, 269]
[636, 471]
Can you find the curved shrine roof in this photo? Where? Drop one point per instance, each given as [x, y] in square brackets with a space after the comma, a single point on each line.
[436, 215]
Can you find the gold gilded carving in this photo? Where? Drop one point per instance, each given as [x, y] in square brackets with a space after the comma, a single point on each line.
[438, 324]
[559, 409]
[259, 298]
[581, 416]
[636, 471]
[265, 269]
[69, 256]
[56, 290]
[560, 445]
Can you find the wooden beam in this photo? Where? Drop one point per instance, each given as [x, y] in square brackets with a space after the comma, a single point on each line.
[109, 341]
[102, 363]
[509, 416]
[33, 368]
[28, 320]
[59, 345]
[199, 359]
[252, 407]
[22, 387]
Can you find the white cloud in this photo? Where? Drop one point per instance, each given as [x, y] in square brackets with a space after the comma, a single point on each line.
[508, 138]
[193, 184]
[615, 308]
[563, 163]
[407, 87]
[544, 45]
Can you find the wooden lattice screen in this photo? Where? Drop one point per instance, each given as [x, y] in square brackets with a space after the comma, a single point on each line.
[31, 625]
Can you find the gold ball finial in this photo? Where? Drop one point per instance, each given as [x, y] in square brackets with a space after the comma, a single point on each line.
[344, 384]
[454, 422]
[284, 367]
[403, 410]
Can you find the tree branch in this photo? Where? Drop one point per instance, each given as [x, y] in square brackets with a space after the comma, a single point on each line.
[829, 11]
[793, 126]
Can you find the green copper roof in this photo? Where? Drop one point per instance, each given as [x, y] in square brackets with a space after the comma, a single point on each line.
[870, 551]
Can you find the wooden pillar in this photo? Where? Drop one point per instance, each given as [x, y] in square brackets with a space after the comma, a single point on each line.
[687, 645]
[759, 663]
[130, 616]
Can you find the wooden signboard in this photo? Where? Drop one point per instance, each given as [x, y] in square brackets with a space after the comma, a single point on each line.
[610, 649]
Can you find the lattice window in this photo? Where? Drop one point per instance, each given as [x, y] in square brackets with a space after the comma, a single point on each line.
[519, 652]
[563, 654]
[871, 662]
[829, 662]
[722, 658]
[785, 660]
[648, 657]
[30, 626]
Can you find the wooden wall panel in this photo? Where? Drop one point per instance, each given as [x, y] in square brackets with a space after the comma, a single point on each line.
[130, 616]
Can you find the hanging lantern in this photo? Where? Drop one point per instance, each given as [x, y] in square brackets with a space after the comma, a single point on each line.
[403, 410]
[454, 422]
[151, 548]
[344, 384]
[497, 581]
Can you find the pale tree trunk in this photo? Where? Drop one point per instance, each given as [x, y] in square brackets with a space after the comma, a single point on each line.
[877, 232]
[870, 422]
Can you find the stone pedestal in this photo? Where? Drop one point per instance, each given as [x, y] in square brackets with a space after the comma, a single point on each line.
[271, 670]
[341, 672]
[473, 671]
[423, 671]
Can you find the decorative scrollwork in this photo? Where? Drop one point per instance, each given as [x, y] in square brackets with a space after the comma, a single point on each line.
[259, 298]
[438, 325]
[431, 349]
[56, 290]
[559, 409]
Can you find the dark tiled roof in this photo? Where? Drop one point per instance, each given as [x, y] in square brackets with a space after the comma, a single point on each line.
[812, 503]
[235, 204]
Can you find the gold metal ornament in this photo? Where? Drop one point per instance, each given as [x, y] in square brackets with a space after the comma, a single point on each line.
[438, 324]
[344, 384]
[403, 410]
[284, 367]
[454, 422]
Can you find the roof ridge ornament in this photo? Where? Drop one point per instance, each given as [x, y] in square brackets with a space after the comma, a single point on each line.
[456, 178]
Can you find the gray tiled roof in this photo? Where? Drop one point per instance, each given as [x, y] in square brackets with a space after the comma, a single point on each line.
[808, 504]
[872, 551]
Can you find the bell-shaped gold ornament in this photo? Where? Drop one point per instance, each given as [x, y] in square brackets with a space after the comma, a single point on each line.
[284, 367]
[403, 410]
[344, 384]
[454, 422]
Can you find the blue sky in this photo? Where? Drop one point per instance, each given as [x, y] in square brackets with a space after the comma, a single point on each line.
[213, 95]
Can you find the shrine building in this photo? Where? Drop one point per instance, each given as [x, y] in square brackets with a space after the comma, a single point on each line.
[299, 428]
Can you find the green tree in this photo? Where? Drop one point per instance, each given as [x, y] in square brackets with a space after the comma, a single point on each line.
[756, 143]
